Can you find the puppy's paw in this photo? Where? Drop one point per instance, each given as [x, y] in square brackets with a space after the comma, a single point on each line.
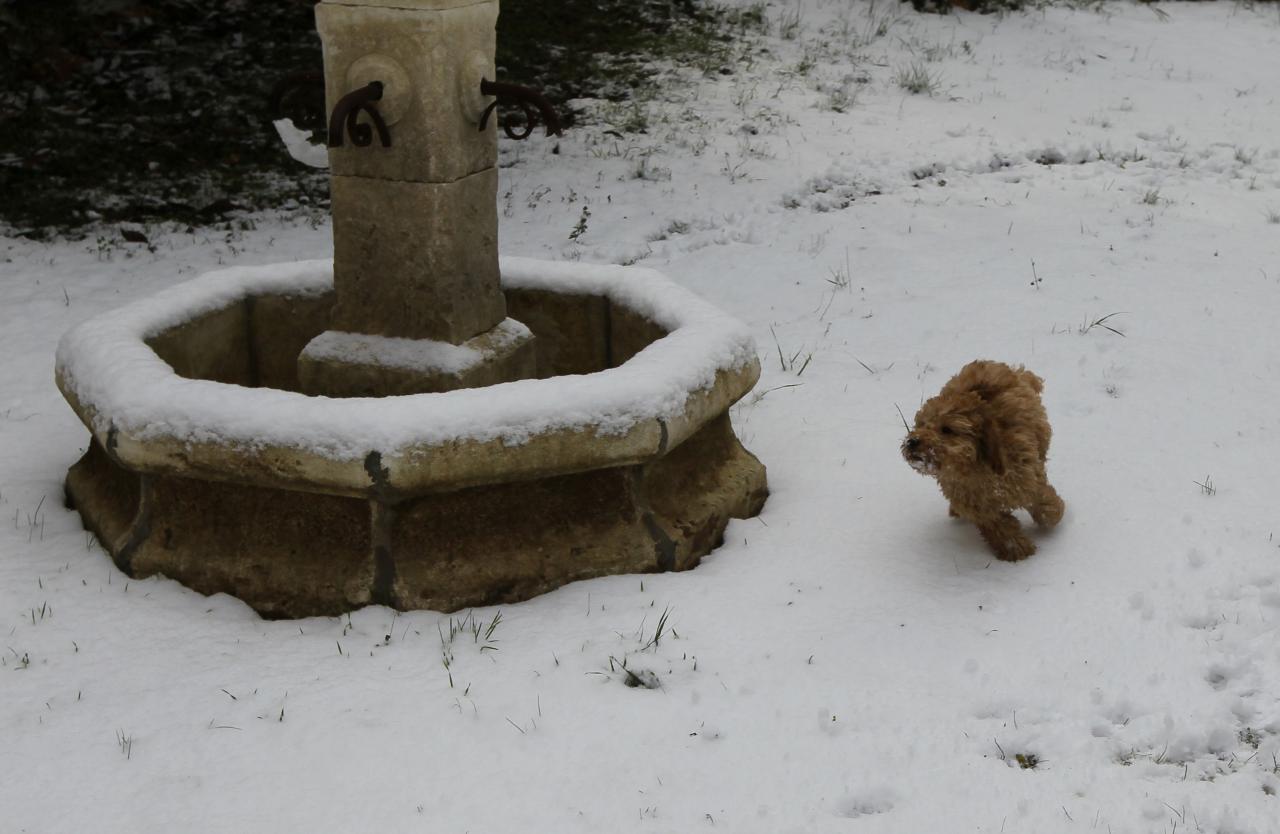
[1005, 538]
[1048, 509]
[1014, 550]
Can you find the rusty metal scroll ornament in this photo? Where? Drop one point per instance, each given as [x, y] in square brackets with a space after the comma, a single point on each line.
[348, 110]
[531, 102]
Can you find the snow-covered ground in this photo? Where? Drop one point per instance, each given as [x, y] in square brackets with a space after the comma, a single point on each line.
[852, 660]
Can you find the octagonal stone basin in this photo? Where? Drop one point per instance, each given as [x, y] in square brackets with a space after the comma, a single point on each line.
[207, 465]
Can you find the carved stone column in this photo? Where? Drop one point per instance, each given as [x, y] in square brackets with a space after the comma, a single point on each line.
[415, 224]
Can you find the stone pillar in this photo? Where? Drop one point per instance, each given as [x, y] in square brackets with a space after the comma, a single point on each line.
[415, 225]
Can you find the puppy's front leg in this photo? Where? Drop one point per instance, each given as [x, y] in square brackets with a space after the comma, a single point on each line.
[1004, 536]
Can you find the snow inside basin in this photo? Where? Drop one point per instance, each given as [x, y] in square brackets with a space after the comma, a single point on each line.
[196, 380]
[209, 465]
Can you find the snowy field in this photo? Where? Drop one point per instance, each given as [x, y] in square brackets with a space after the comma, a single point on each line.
[1095, 194]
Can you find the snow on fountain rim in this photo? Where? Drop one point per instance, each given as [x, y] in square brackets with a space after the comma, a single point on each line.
[120, 381]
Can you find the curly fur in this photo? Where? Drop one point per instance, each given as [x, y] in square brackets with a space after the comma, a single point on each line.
[985, 437]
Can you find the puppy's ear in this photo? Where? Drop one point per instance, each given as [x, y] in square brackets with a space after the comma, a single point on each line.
[991, 445]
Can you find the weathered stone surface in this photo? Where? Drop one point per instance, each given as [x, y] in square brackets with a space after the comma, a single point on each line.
[629, 333]
[266, 465]
[572, 330]
[294, 554]
[705, 405]
[106, 495]
[354, 365]
[510, 542]
[697, 487]
[444, 49]
[427, 269]
[465, 463]
[212, 346]
[287, 554]
[280, 326]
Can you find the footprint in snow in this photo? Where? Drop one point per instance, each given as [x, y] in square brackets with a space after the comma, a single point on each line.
[866, 803]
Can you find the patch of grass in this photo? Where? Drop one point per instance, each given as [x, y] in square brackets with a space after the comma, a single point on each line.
[481, 631]
[879, 20]
[481, 636]
[1101, 321]
[804, 66]
[23, 661]
[626, 116]
[841, 275]
[580, 228]
[1207, 486]
[734, 171]
[642, 168]
[916, 78]
[125, 742]
[841, 98]
[789, 24]
[796, 362]
[659, 631]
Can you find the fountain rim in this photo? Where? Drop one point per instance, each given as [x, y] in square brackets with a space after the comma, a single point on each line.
[153, 420]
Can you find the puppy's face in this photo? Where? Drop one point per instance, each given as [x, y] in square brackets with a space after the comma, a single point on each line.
[952, 434]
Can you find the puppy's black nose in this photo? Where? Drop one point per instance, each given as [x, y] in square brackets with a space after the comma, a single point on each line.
[912, 443]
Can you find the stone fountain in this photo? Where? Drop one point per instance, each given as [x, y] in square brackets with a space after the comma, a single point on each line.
[418, 424]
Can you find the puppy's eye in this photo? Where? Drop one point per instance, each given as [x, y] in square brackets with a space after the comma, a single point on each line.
[947, 430]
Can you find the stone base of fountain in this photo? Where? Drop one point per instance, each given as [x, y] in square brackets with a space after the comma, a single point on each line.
[297, 554]
[208, 465]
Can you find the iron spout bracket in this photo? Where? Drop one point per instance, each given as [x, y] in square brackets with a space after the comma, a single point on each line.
[530, 101]
[348, 110]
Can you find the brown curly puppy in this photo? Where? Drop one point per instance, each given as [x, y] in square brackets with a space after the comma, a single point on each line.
[985, 437]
